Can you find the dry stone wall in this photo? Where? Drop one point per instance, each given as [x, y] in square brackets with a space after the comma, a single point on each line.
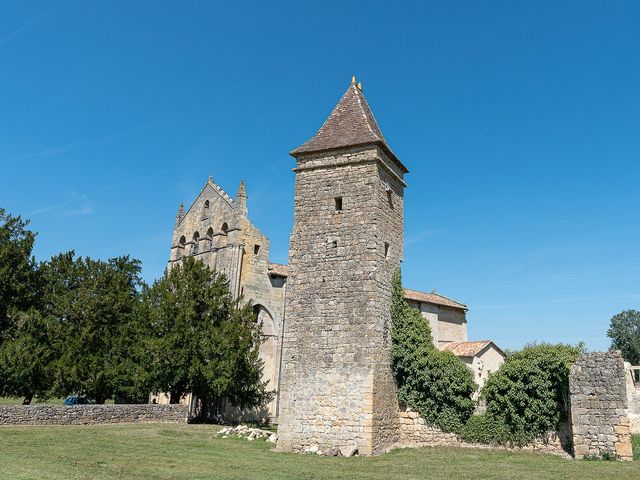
[91, 414]
[599, 406]
[415, 433]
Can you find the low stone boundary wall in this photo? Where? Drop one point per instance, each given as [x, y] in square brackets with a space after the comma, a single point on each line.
[414, 433]
[91, 414]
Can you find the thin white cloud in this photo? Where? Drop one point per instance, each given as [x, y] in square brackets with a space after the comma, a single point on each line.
[48, 152]
[75, 197]
[53, 151]
[30, 23]
[417, 237]
[84, 210]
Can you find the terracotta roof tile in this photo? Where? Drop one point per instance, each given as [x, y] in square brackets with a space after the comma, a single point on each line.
[278, 269]
[432, 297]
[351, 123]
[468, 349]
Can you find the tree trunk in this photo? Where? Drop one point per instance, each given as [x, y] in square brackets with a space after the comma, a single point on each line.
[27, 399]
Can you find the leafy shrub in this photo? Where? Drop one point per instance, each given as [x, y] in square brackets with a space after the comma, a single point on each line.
[530, 391]
[485, 429]
[489, 430]
[435, 384]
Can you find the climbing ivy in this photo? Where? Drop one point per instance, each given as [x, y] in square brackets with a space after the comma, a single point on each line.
[435, 384]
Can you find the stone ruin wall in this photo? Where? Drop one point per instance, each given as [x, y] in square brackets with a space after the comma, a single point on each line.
[91, 414]
[599, 406]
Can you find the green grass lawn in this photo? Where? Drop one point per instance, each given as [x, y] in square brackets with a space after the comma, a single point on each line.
[142, 451]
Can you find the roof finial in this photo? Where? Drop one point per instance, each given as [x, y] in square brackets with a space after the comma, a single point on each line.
[180, 215]
[360, 86]
[242, 190]
[210, 179]
[241, 199]
[353, 80]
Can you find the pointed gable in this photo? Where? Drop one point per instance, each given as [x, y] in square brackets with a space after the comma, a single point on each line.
[351, 123]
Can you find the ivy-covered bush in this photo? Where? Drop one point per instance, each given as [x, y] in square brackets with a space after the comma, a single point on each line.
[485, 429]
[433, 383]
[529, 394]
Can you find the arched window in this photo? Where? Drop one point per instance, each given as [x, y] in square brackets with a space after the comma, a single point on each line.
[222, 239]
[205, 209]
[194, 243]
[209, 243]
[180, 250]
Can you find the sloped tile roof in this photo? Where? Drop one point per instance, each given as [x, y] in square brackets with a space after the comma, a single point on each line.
[432, 297]
[351, 123]
[278, 270]
[469, 349]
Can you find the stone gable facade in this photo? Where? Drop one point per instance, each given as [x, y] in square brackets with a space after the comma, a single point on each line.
[217, 230]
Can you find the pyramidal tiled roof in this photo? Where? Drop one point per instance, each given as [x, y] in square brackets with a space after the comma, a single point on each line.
[351, 123]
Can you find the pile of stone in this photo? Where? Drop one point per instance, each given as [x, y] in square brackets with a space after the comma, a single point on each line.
[248, 433]
[332, 452]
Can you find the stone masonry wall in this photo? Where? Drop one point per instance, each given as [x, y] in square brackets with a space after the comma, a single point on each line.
[415, 433]
[599, 408]
[91, 414]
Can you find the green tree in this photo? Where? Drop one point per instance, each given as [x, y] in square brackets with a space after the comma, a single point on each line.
[529, 394]
[202, 342]
[436, 384]
[92, 305]
[624, 332]
[27, 357]
[18, 278]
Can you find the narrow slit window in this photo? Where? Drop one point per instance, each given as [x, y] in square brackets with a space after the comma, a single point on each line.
[338, 201]
[256, 249]
[386, 249]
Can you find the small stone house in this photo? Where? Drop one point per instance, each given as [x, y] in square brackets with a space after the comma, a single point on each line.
[482, 357]
[447, 318]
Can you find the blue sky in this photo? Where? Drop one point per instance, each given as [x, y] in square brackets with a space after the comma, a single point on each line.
[518, 122]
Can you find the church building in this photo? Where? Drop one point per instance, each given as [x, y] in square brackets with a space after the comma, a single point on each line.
[346, 242]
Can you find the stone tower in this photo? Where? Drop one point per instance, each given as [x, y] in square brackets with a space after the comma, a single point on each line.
[336, 385]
